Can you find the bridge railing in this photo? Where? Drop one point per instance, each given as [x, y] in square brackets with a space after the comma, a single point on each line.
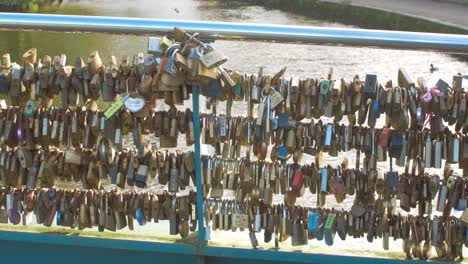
[91, 248]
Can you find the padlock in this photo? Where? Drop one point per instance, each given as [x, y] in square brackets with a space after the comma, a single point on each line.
[226, 78]
[30, 56]
[457, 83]
[193, 58]
[396, 143]
[44, 76]
[16, 86]
[5, 71]
[141, 175]
[138, 64]
[404, 79]
[443, 86]
[324, 181]
[256, 88]
[95, 86]
[94, 62]
[298, 183]
[174, 176]
[291, 141]
[108, 86]
[150, 65]
[154, 46]
[206, 75]
[180, 34]
[165, 43]
[170, 78]
[370, 86]
[6, 61]
[212, 57]
[213, 90]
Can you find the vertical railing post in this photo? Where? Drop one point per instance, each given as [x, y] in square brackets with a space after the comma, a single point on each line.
[196, 128]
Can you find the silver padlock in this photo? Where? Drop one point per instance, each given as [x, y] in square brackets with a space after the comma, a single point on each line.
[149, 65]
[154, 46]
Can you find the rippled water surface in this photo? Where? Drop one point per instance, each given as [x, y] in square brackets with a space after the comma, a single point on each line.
[301, 60]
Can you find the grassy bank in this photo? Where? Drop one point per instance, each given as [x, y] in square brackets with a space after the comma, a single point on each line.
[362, 17]
[23, 5]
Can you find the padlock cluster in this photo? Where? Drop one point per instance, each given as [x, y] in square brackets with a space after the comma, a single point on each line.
[126, 168]
[284, 122]
[107, 210]
[279, 223]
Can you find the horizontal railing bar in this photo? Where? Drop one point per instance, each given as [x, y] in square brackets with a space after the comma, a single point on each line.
[238, 31]
[57, 241]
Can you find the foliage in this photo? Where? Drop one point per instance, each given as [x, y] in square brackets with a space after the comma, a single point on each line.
[23, 5]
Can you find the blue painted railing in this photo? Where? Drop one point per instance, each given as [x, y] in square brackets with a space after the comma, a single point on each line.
[29, 248]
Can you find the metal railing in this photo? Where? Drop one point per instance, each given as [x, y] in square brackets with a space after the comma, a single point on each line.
[228, 31]
[237, 31]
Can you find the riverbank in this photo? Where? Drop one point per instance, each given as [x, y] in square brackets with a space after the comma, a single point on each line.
[454, 14]
[20, 5]
[378, 14]
[31, 6]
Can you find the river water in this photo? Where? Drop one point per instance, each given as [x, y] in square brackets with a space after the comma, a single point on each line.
[301, 60]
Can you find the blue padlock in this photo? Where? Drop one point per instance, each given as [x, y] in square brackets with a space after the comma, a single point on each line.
[392, 179]
[283, 121]
[140, 216]
[30, 108]
[313, 218]
[213, 89]
[282, 153]
[376, 108]
[370, 85]
[59, 218]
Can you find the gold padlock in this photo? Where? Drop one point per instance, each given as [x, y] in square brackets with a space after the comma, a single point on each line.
[46, 61]
[126, 122]
[73, 156]
[125, 66]
[30, 56]
[291, 141]
[205, 74]
[226, 78]
[115, 71]
[145, 86]
[255, 195]
[165, 43]
[47, 102]
[335, 95]
[144, 112]
[57, 64]
[187, 48]
[181, 62]
[94, 62]
[167, 83]
[92, 106]
[6, 61]
[290, 198]
[213, 58]
[179, 34]
[404, 79]
[298, 155]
